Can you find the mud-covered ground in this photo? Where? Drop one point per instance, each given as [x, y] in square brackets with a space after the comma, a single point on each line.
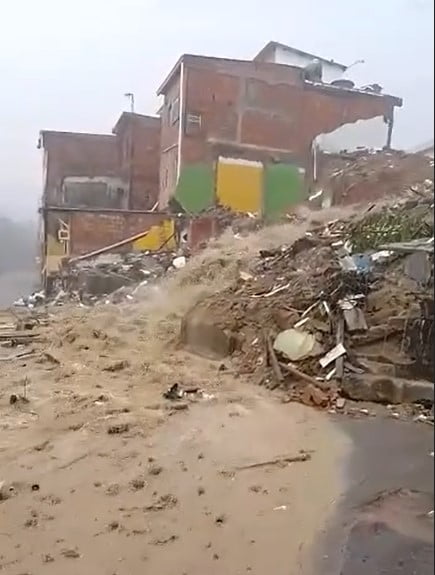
[160, 490]
[102, 475]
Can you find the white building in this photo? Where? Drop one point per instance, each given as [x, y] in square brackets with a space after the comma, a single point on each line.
[371, 134]
[282, 54]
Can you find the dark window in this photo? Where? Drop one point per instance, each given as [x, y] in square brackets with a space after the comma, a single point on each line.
[174, 111]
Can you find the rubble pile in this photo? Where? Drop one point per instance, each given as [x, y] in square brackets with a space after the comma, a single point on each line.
[338, 312]
[364, 177]
[107, 278]
[115, 277]
[238, 222]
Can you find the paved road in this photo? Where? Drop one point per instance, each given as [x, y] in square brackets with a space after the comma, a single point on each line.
[382, 526]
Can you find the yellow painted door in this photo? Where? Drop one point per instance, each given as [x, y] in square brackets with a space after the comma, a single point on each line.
[239, 184]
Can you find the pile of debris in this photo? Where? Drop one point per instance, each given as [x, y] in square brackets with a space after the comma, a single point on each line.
[112, 278]
[346, 310]
[106, 278]
[237, 222]
[19, 332]
[363, 177]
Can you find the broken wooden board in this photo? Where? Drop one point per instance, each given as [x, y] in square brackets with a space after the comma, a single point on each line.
[19, 335]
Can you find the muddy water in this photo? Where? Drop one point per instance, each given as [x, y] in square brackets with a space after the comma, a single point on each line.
[173, 502]
[261, 520]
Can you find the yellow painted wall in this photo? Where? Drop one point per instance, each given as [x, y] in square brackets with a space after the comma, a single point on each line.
[156, 237]
[55, 251]
[239, 184]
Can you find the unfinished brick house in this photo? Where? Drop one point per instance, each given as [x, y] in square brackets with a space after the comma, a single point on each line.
[99, 189]
[138, 143]
[248, 134]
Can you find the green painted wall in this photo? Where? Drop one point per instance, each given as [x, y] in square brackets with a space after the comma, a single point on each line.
[195, 188]
[283, 187]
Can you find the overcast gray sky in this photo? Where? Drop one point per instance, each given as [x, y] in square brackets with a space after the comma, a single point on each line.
[66, 65]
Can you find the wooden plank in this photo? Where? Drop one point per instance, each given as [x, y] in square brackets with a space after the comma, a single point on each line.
[109, 248]
[339, 363]
[18, 335]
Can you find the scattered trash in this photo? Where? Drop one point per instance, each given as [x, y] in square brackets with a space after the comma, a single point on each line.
[174, 392]
[353, 315]
[332, 355]
[279, 461]
[16, 399]
[104, 277]
[179, 262]
[340, 402]
[168, 501]
[137, 483]
[296, 345]
[312, 395]
[117, 365]
[165, 540]
[155, 469]
[273, 292]
[118, 428]
[71, 553]
[221, 519]
[245, 276]
[47, 558]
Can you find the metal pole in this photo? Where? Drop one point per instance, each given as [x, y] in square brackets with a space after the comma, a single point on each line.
[130, 96]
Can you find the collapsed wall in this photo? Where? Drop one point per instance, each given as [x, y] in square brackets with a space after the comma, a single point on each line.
[365, 177]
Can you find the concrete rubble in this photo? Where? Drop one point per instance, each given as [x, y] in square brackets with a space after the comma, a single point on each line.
[107, 278]
[364, 176]
[344, 311]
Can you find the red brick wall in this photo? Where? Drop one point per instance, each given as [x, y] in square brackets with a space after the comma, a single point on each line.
[133, 154]
[327, 108]
[266, 107]
[214, 97]
[201, 230]
[74, 154]
[91, 231]
[139, 152]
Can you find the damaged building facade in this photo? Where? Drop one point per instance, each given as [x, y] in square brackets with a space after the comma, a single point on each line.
[250, 135]
[99, 189]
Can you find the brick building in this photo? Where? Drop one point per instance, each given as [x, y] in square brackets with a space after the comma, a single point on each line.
[249, 135]
[75, 161]
[138, 143]
[99, 189]
[246, 133]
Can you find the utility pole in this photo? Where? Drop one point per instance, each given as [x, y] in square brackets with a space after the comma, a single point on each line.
[130, 97]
